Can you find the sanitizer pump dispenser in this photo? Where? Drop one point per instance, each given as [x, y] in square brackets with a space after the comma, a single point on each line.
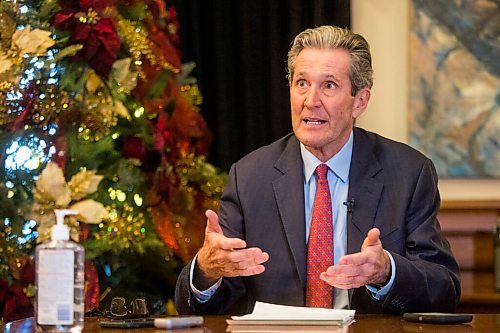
[60, 275]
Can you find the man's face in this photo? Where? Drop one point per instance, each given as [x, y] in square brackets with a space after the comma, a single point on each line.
[323, 110]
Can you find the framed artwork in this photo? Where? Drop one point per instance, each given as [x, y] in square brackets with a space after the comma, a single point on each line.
[454, 73]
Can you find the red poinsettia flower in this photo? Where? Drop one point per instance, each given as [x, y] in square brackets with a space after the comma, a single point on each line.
[64, 19]
[99, 38]
[95, 4]
[100, 44]
[162, 133]
[84, 5]
[17, 305]
[14, 303]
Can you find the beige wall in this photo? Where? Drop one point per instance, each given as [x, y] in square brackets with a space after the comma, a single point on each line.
[384, 23]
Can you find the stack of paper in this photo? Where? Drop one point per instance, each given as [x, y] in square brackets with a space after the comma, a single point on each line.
[278, 318]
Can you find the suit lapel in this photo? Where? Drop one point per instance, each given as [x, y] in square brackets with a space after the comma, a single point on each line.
[365, 188]
[289, 194]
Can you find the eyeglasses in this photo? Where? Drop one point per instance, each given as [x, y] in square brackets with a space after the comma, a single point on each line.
[118, 309]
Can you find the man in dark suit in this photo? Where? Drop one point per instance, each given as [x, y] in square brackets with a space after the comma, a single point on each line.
[388, 252]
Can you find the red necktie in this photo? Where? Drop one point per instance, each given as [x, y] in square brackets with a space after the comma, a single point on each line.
[320, 248]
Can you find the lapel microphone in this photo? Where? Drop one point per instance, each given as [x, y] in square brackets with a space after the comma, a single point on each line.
[350, 205]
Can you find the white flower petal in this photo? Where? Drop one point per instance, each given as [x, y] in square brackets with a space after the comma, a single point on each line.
[89, 211]
[34, 42]
[52, 185]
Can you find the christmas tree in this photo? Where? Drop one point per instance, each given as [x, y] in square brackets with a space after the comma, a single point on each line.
[98, 114]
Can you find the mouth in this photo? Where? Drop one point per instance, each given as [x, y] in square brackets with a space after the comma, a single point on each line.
[314, 121]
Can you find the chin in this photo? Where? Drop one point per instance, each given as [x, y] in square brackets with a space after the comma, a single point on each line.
[310, 142]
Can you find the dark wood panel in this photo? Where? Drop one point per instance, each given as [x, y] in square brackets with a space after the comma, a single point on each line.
[472, 251]
[478, 293]
[469, 226]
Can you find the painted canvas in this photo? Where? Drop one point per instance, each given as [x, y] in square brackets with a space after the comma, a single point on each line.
[454, 75]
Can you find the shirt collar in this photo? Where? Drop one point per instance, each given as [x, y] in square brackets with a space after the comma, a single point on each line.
[340, 163]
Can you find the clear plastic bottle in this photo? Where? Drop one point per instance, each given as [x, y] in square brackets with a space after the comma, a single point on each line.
[60, 275]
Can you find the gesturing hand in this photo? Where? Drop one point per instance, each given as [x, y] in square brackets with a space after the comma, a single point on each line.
[370, 266]
[222, 256]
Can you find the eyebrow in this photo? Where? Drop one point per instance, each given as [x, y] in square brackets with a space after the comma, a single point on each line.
[332, 77]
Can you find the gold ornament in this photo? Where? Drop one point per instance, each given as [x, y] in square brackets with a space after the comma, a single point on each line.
[50, 103]
[99, 112]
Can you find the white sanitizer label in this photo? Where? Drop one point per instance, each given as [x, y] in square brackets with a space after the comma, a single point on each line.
[55, 287]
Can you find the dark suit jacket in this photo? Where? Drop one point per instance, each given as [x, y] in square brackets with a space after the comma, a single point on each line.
[395, 190]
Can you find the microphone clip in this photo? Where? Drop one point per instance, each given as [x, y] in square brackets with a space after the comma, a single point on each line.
[350, 205]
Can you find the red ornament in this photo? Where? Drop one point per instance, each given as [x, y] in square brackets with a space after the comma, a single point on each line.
[134, 147]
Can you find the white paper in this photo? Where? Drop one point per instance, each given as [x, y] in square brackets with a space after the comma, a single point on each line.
[267, 311]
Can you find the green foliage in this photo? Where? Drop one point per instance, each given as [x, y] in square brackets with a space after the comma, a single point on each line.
[119, 104]
[160, 85]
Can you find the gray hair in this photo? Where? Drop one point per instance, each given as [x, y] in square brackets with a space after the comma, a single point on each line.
[331, 37]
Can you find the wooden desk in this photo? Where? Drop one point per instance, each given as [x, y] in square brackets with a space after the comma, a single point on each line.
[363, 324]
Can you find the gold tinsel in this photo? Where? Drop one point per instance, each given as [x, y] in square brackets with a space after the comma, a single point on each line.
[124, 227]
[192, 94]
[194, 169]
[135, 38]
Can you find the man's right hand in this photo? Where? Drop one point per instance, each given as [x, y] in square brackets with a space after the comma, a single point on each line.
[221, 256]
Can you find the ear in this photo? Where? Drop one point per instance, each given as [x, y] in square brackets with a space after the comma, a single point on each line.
[361, 102]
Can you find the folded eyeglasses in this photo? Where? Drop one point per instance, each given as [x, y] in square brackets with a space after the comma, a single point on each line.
[118, 309]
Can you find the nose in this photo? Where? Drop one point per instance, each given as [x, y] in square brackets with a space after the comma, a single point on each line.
[313, 98]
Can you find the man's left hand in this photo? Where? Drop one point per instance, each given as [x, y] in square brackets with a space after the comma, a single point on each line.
[370, 266]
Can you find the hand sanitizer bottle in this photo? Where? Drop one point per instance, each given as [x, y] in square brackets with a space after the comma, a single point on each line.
[59, 303]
